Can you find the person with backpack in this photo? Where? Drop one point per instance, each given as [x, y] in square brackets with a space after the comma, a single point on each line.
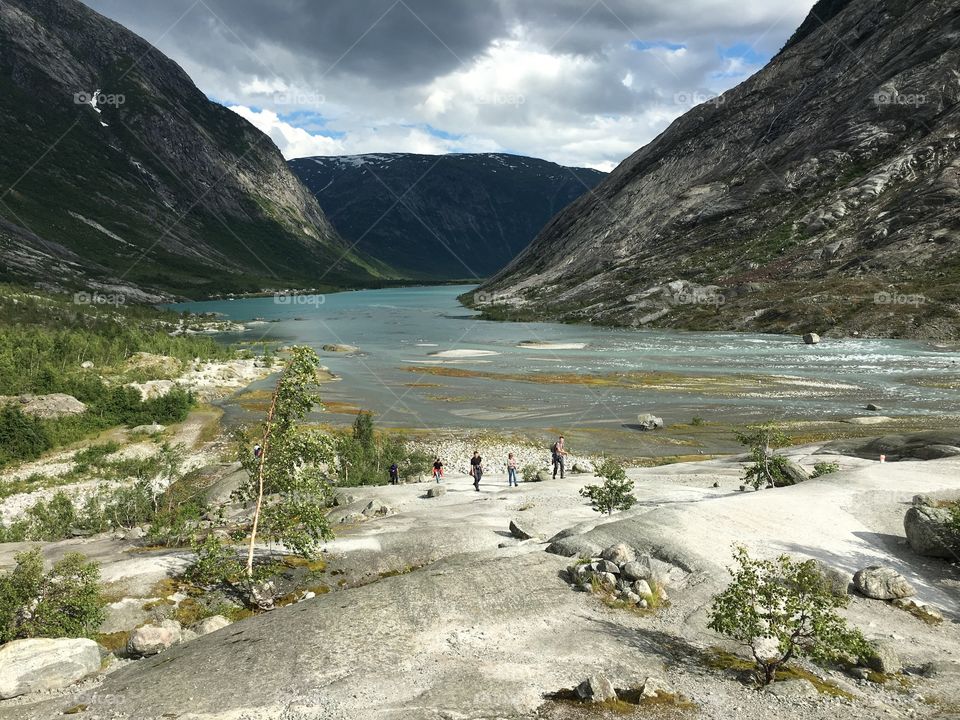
[558, 452]
[511, 471]
[394, 474]
[437, 470]
[476, 470]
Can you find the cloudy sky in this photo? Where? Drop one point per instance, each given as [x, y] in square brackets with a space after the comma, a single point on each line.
[579, 82]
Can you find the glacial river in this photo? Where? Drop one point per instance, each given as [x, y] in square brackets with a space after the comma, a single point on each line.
[427, 362]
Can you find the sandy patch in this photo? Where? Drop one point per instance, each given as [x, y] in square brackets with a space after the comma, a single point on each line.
[464, 353]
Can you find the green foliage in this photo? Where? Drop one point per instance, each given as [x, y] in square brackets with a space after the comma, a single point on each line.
[216, 563]
[529, 473]
[697, 421]
[782, 609]
[363, 430]
[65, 602]
[288, 480]
[766, 468]
[21, 437]
[615, 492]
[824, 468]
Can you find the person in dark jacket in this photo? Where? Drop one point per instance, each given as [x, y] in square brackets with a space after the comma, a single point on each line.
[476, 470]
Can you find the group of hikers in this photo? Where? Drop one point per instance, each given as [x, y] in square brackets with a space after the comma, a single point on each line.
[558, 454]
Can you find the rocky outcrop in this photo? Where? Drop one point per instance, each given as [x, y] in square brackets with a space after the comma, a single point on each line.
[152, 182]
[461, 215]
[930, 445]
[41, 664]
[152, 639]
[819, 196]
[928, 532]
[882, 583]
[46, 407]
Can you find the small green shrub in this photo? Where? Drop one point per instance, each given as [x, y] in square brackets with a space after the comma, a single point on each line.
[529, 473]
[824, 468]
[766, 468]
[783, 609]
[66, 602]
[697, 421]
[615, 492]
[216, 563]
[22, 437]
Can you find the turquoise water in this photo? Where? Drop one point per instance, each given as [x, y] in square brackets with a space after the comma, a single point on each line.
[399, 329]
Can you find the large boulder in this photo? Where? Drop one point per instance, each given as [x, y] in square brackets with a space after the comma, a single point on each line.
[836, 580]
[649, 422]
[596, 689]
[882, 583]
[42, 664]
[46, 407]
[152, 639]
[811, 338]
[928, 532]
[520, 532]
[436, 491]
[794, 472]
[883, 658]
[619, 554]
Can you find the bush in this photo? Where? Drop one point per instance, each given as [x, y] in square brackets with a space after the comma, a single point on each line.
[365, 456]
[22, 437]
[66, 602]
[783, 609]
[767, 468]
[615, 492]
[216, 563]
[824, 468]
[529, 473]
[697, 421]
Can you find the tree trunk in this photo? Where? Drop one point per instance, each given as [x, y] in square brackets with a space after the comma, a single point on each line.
[264, 444]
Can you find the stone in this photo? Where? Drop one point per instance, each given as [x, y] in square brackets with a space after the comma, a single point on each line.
[340, 348]
[941, 668]
[596, 689]
[635, 570]
[936, 452]
[188, 636]
[927, 613]
[794, 472]
[607, 580]
[883, 658]
[927, 530]
[43, 664]
[519, 532]
[811, 338]
[542, 476]
[580, 468]
[792, 689]
[647, 421]
[86, 364]
[377, 508]
[608, 566]
[47, 407]
[137, 533]
[308, 595]
[882, 583]
[436, 491]
[837, 580]
[872, 408]
[642, 588]
[211, 624]
[573, 546]
[655, 687]
[151, 429]
[263, 594]
[153, 639]
[124, 615]
[619, 554]
[923, 500]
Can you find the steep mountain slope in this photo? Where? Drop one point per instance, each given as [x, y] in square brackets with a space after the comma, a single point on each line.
[821, 194]
[147, 184]
[446, 216]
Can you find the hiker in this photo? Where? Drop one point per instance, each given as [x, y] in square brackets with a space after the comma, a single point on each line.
[394, 474]
[476, 470]
[511, 471]
[437, 470]
[558, 452]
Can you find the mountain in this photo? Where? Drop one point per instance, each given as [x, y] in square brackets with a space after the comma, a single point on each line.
[442, 216]
[117, 171]
[822, 194]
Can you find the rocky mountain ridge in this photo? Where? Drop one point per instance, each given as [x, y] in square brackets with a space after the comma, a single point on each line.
[456, 216]
[821, 194]
[119, 173]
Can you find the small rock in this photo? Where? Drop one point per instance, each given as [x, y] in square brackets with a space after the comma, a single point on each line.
[151, 429]
[187, 636]
[654, 687]
[308, 595]
[607, 580]
[642, 588]
[794, 472]
[42, 664]
[882, 583]
[436, 491]
[263, 595]
[941, 668]
[872, 408]
[86, 364]
[883, 658]
[927, 613]
[376, 508]
[152, 639]
[596, 689]
[211, 624]
[619, 554]
[519, 532]
[542, 476]
[607, 566]
[137, 533]
[635, 570]
[811, 338]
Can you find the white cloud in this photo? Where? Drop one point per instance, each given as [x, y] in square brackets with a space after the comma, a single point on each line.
[292, 141]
